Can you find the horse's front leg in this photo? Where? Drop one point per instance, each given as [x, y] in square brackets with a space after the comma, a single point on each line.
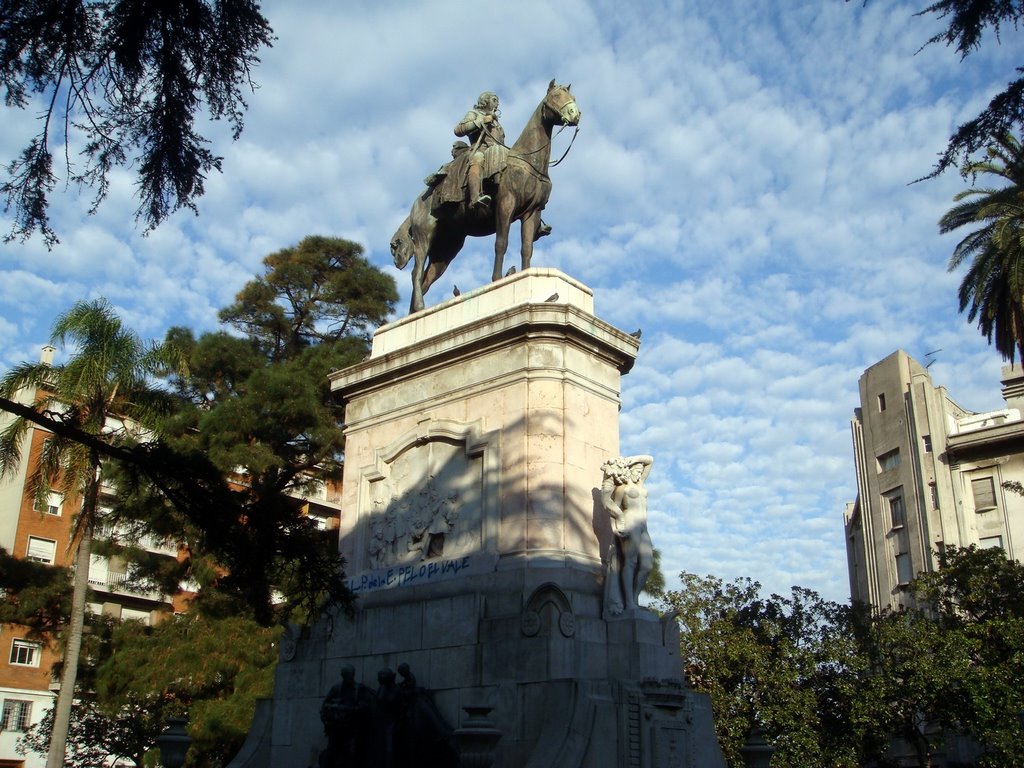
[417, 284]
[502, 223]
[528, 226]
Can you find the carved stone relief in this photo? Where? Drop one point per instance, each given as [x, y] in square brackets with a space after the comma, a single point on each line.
[425, 505]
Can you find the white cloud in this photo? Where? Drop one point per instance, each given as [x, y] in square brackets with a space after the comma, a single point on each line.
[739, 189]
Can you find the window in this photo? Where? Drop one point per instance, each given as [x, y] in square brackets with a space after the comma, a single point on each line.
[881, 402]
[984, 491]
[53, 505]
[24, 653]
[897, 510]
[904, 571]
[990, 542]
[926, 442]
[889, 460]
[41, 550]
[16, 715]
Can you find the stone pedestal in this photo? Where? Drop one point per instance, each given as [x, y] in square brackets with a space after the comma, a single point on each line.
[473, 532]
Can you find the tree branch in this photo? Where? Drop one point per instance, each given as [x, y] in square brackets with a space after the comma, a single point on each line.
[58, 427]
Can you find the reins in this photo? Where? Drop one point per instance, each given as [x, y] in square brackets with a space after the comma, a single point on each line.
[523, 155]
[574, 135]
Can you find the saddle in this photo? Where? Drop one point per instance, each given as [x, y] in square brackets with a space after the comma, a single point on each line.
[450, 189]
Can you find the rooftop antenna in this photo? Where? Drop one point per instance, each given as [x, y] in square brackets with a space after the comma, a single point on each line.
[930, 354]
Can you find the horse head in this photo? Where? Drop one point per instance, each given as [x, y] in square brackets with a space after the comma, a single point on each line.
[401, 245]
[561, 105]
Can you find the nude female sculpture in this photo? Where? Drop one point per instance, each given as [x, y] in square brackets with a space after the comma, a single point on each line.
[631, 557]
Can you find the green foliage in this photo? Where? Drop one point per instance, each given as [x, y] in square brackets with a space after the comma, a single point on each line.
[719, 655]
[787, 665]
[256, 425]
[992, 289]
[316, 293]
[655, 586]
[968, 21]
[976, 600]
[34, 594]
[97, 737]
[213, 668]
[906, 689]
[107, 377]
[248, 424]
[131, 75]
[952, 669]
[100, 398]
[973, 586]
[835, 685]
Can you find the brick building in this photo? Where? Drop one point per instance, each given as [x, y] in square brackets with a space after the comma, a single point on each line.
[43, 534]
[27, 687]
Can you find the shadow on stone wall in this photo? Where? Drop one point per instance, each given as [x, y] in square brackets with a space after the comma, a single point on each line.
[453, 499]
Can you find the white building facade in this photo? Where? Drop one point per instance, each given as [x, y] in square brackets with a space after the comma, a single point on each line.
[930, 474]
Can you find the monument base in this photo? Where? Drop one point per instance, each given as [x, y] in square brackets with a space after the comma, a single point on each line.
[473, 527]
[562, 686]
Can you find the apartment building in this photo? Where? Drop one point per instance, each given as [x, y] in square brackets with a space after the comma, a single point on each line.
[42, 533]
[930, 474]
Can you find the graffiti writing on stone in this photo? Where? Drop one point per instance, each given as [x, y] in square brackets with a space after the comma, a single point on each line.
[420, 573]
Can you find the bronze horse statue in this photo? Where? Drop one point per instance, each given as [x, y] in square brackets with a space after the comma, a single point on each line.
[519, 193]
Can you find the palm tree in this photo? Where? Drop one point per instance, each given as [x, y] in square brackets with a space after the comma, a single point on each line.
[102, 392]
[993, 286]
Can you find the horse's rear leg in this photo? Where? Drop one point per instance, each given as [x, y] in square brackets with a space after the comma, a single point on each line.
[433, 271]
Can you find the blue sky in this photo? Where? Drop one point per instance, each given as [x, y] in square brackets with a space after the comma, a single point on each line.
[740, 189]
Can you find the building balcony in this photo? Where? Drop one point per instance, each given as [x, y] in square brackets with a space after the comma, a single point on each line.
[117, 583]
[1007, 436]
[147, 542]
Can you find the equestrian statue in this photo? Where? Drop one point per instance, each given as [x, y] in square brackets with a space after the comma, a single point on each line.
[485, 187]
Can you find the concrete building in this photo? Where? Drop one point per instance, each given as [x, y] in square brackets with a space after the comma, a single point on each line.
[930, 474]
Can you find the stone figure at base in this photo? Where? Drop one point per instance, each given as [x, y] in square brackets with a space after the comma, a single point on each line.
[631, 556]
[430, 738]
[347, 715]
[410, 729]
[388, 721]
